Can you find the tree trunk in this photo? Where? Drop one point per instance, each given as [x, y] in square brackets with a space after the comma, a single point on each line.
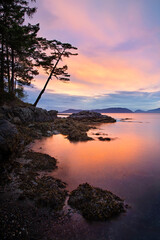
[12, 78]
[39, 97]
[8, 70]
[2, 67]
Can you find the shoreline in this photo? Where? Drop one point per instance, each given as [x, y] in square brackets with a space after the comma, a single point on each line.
[27, 190]
[18, 210]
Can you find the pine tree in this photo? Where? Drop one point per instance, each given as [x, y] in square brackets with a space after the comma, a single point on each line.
[12, 16]
[23, 52]
[50, 63]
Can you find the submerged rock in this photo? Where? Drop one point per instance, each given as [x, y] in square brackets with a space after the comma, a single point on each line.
[95, 203]
[104, 139]
[93, 117]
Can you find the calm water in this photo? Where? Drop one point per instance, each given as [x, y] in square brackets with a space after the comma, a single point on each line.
[129, 166]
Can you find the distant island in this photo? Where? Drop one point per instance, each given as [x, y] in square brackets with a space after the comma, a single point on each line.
[113, 110]
[104, 110]
[157, 110]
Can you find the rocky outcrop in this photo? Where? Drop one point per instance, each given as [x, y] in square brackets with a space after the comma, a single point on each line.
[75, 131]
[95, 203]
[19, 125]
[104, 139]
[8, 138]
[92, 117]
[27, 114]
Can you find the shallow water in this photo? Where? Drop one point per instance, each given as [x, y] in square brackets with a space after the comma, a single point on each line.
[129, 166]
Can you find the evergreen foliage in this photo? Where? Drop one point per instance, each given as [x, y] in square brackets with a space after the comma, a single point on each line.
[23, 52]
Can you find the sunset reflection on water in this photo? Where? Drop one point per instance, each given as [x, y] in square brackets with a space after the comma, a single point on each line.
[128, 165]
[131, 151]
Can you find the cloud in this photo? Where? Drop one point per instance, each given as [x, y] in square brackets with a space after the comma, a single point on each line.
[118, 44]
[129, 99]
[130, 45]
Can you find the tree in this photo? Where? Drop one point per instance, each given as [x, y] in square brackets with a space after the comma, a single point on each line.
[23, 52]
[13, 39]
[51, 63]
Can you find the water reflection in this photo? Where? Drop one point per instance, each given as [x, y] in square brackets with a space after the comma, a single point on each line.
[128, 166]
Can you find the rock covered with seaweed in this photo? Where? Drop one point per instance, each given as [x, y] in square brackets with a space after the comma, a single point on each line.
[95, 203]
[75, 131]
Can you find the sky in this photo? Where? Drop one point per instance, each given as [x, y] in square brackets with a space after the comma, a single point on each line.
[118, 62]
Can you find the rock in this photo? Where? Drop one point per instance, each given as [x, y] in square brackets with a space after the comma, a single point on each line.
[75, 130]
[93, 117]
[16, 120]
[49, 132]
[104, 139]
[75, 135]
[8, 139]
[40, 161]
[28, 114]
[95, 203]
[42, 115]
[31, 125]
[46, 191]
[125, 119]
[55, 132]
[53, 113]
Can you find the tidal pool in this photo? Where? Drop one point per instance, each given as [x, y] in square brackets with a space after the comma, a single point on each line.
[128, 166]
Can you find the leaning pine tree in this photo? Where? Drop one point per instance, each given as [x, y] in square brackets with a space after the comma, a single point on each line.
[59, 50]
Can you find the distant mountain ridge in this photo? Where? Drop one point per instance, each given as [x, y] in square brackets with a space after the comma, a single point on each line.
[157, 110]
[72, 111]
[104, 110]
[113, 110]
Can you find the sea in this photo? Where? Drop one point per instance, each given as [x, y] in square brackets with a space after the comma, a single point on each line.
[128, 166]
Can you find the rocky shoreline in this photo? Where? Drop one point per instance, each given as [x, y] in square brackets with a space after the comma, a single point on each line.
[28, 193]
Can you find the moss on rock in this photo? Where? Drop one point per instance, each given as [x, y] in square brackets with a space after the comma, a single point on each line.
[75, 131]
[40, 161]
[46, 191]
[95, 203]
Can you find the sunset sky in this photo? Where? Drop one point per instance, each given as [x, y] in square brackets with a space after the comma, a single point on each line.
[119, 53]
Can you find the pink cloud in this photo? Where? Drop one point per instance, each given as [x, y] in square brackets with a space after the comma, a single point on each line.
[97, 28]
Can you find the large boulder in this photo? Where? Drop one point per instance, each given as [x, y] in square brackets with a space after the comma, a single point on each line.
[8, 138]
[89, 116]
[95, 203]
[27, 114]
